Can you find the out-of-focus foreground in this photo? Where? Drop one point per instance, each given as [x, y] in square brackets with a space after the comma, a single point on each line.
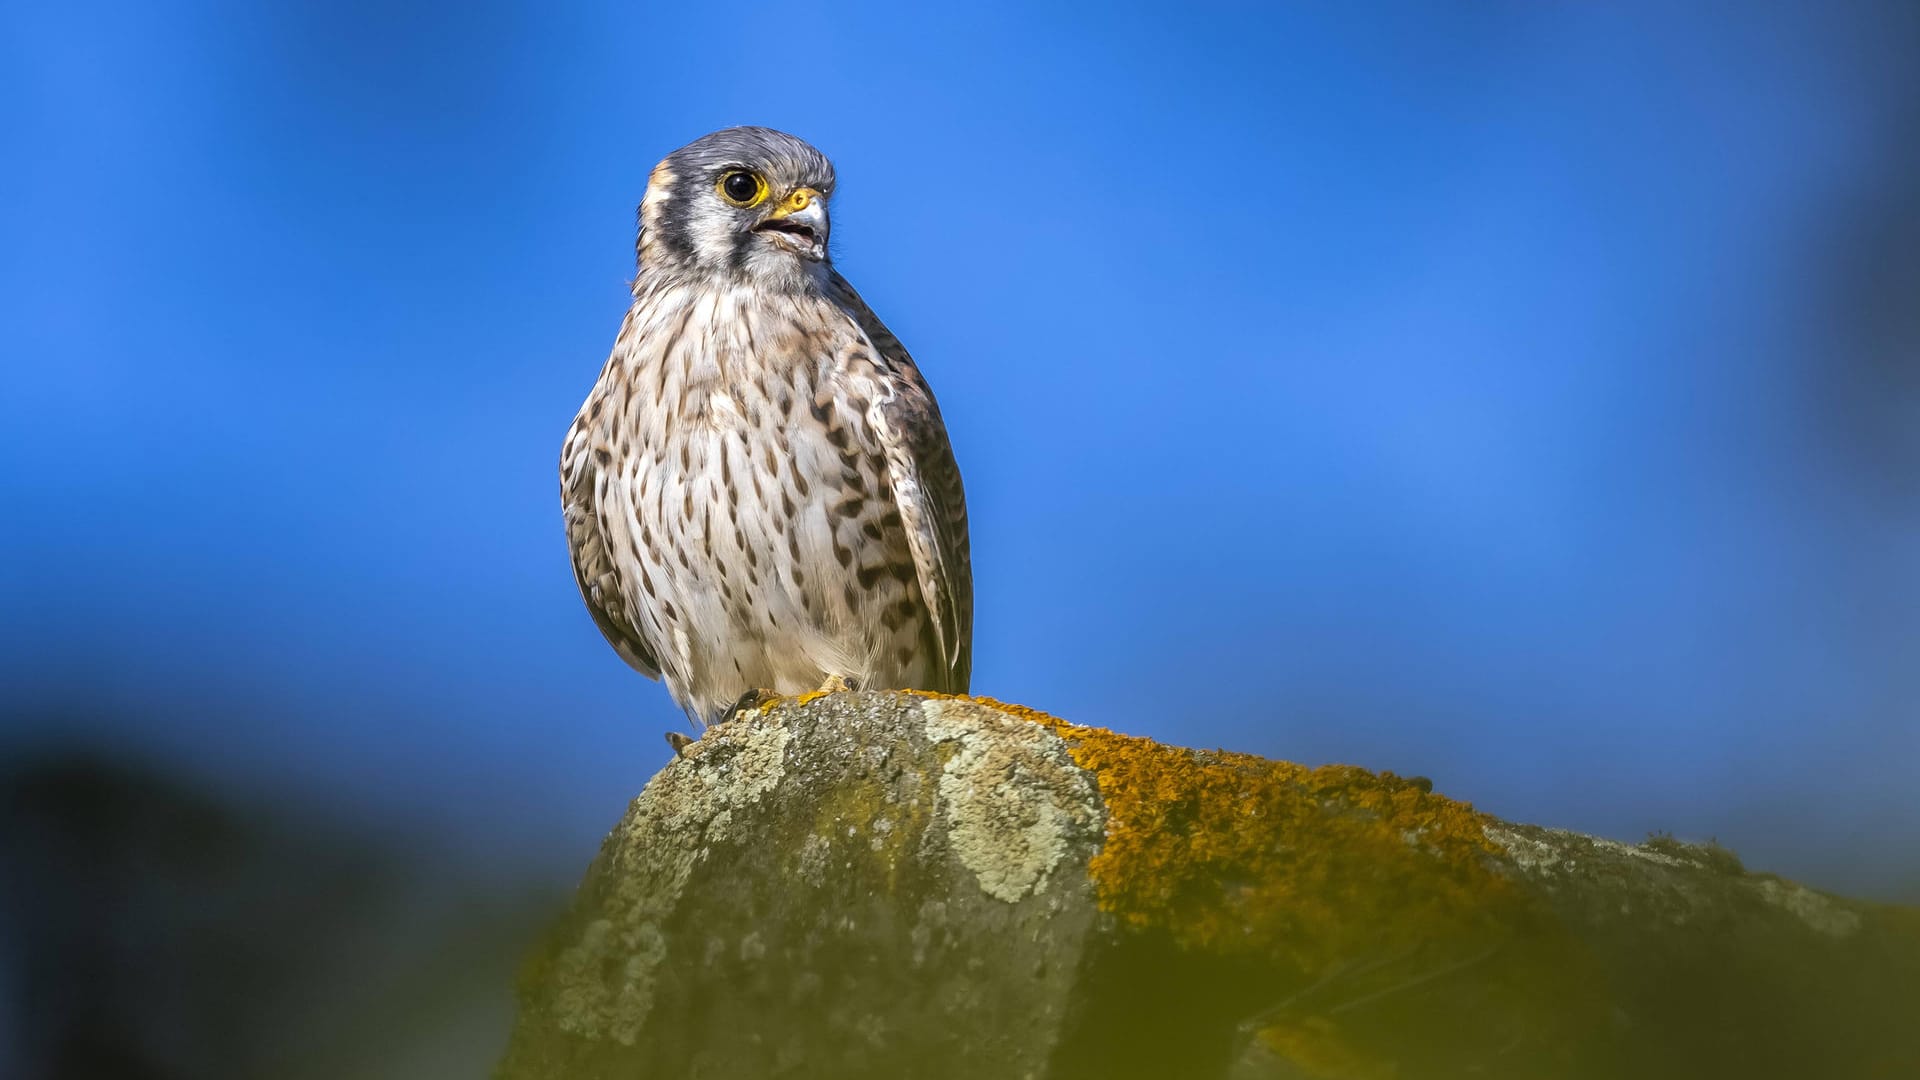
[151, 931]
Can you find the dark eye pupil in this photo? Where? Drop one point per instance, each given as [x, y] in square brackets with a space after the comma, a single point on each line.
[740, 187]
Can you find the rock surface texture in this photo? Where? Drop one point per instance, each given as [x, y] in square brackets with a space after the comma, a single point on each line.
[903, 885]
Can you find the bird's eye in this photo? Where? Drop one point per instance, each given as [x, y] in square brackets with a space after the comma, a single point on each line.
[742, 188]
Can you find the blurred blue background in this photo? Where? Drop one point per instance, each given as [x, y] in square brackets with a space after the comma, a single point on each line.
[1519, 395]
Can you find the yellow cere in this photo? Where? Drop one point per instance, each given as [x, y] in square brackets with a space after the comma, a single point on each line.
[796, 202]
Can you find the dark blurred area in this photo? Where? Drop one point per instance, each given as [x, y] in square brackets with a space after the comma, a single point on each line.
[149, 929]
[1868, 391]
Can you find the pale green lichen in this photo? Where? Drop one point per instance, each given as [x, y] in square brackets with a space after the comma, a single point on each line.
[1819, 913]
[1526, 853]
[1557, 851]
[605, 979]
[1012, 799]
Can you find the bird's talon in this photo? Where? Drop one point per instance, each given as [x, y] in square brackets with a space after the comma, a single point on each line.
[752, 701]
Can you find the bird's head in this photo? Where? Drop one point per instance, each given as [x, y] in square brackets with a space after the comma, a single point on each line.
[747, 202]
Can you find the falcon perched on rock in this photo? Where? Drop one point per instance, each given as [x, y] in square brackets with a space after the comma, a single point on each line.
[759, 492]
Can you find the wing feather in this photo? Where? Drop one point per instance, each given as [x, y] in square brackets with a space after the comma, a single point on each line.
[594, 570]
[926, 486]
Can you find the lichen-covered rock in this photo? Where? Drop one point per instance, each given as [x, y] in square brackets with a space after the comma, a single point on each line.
[904, 885]
[862, 886]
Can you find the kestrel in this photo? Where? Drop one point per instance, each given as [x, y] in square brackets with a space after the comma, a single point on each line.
[759, 492]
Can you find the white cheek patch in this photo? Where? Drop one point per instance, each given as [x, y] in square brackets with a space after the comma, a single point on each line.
[711, 232]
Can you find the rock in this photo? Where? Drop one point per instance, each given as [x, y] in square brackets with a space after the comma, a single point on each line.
[905, 885]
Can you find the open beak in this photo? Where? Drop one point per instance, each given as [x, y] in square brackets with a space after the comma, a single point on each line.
[801, 221]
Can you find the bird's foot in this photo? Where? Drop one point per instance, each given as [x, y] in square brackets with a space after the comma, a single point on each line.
[752, 701]
[834, 684]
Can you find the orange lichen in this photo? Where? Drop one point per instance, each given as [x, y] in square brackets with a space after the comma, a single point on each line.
[1358, 881]
[1239, 853]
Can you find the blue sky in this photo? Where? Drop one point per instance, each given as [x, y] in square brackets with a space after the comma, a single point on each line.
[1480, 391]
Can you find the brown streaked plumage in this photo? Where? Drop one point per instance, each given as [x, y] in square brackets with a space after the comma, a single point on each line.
[759, 492]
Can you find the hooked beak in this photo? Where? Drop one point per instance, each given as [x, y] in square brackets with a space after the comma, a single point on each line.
[800, 222]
